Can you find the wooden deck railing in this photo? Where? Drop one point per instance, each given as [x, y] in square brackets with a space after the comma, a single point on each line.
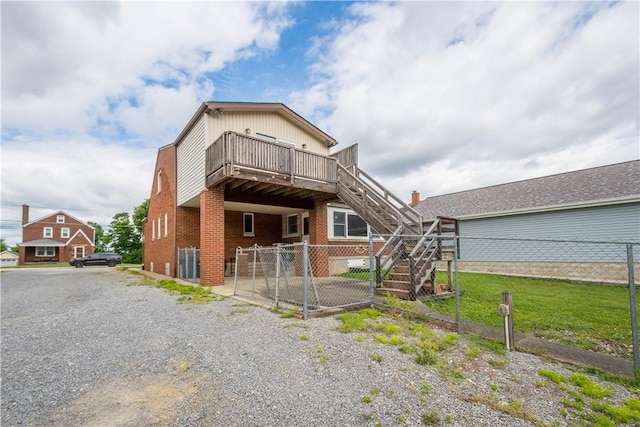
[233, 150]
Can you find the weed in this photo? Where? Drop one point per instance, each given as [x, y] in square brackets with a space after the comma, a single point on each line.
[553, 376]
[400, 419]
[323, 359]
[621, 414]
[374, 391]
[589, 387]
[494, 387]
[382, 339]
[360, 338]
[473, 352]
[289, 314]
[189, 293]
[449, 340]
[298, 325]
[388, 328]
[540, 383]
[425, 387]
[357, 321]
[366, 417]
[319, 349]
[396, 340]
[430, 418]
[498, 363]
[426, 357]
[376, 358]
[304, 337]
[367, 399]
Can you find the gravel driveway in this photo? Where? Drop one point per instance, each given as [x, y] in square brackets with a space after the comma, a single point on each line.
[94, 347]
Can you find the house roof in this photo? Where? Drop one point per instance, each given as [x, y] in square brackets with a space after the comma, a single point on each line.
[57, 213]
[610, 184]
[42, 242]
[274, 107]
[9, 255]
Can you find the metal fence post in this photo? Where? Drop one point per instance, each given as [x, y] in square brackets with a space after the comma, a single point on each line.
[305, 279]
[633, 309]
[371, 267]
[235, 270]
[195, 261]
[455, 267]
[278, 248]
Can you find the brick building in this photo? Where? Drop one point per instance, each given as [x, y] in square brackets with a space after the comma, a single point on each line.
[56, 237]
[241, 174]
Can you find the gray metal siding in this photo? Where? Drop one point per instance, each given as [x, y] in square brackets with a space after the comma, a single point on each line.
[605, 223]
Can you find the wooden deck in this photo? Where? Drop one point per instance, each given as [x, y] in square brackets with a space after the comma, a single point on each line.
[246, 164]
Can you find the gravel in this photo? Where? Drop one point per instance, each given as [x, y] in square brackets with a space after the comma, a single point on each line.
[94, 347]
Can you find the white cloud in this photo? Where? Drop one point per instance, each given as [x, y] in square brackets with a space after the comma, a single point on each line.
[60, 59]
[420, 85]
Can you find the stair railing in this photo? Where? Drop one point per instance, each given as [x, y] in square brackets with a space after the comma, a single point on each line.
[389, 255]
[375, 197]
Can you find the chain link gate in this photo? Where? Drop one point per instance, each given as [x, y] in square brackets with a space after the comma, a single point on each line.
[309, 278]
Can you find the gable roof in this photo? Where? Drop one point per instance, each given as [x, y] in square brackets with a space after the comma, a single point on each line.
[610, 184]
[9, 255]
[272, 107]
[57, 213]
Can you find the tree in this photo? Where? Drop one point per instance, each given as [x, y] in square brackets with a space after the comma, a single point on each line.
[125, 233]
[3, 246]
[100, 244]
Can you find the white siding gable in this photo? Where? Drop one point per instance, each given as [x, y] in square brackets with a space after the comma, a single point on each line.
[191, 163]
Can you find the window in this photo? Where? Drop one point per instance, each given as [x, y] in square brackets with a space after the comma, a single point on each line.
[292, 225]
[48, 232]
[60, 219]
[153, 229]
[166, 227]
[45, 251]
[305, 224]
[247, 224]
[64, 232]
[159, 226]
[346, 224]
[159, 184]
[274, 139]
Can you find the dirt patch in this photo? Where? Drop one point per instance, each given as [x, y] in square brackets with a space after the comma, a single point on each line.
[141, 400]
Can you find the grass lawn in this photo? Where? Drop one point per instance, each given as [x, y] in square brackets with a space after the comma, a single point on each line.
[592, 317]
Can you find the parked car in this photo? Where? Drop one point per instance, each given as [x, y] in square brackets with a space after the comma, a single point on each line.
[99, 258]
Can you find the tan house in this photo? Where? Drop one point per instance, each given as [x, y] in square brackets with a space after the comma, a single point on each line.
[241, 174]
[57, 237]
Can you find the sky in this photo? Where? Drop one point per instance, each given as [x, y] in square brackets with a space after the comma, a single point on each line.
[440, 96]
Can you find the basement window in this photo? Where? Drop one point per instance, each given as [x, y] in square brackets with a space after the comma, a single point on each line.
[247, 224]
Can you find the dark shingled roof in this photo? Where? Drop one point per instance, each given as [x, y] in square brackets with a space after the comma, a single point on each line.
[617, 181]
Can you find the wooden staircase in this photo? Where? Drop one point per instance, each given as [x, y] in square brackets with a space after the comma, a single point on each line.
[406, 264]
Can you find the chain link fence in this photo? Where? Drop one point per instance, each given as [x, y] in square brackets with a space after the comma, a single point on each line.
[189, 264]
[571, 292]
[311, 278]
[577, 293]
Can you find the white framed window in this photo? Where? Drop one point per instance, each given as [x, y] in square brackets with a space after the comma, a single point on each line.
[64, 232]
[274, 139]
[153, 229]
[292, 225]
[60, 219]
[47, 232]
[159, 183]
[345, 224]
[166, 227]
[248, 224]
[159, 227]
[45, 251]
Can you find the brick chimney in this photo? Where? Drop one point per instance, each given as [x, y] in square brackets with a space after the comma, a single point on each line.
[25, 214]
[415, 198]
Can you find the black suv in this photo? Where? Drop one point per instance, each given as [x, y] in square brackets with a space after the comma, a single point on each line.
[99, 258]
